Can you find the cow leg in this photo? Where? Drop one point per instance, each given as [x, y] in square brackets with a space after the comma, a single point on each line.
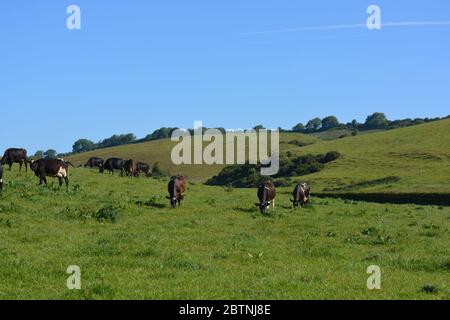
[20, 166]
[66, 179]
[26, 165]
[10, 165]
[60, 182]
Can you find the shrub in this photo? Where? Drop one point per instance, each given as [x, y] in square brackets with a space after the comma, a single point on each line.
[158, 171]
[107, 213]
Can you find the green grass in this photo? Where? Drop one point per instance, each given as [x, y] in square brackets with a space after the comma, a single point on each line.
[160, 151]
[418, 157]
[409, 160]
[131, 245]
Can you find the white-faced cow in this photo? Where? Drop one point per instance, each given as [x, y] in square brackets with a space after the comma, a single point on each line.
[177, 189]
[94, 162]
[57, 168]
[301, 194]
[266, 196]
[14, 155]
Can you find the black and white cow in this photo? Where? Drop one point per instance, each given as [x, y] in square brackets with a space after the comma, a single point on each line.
[266, 196]
[57, 168]
[301, 194]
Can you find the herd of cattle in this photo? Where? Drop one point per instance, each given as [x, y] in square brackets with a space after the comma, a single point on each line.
[59, 168]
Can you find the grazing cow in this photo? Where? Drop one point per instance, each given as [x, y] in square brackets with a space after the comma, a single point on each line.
[129, 167]
[14, 155]
[58, 168]
[301, 194]
[1, 178]
[94, 162]
[266, 196]
[176, 188]
[113, 164]
[142, 167]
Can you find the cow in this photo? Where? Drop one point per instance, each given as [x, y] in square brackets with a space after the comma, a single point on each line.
[266, 196]
[1, 178]
[301, 194]
[113, 164]
[142, 167]
[14, 155]
[177, 189]
[58, 168]
[129, 166]
[94, 162]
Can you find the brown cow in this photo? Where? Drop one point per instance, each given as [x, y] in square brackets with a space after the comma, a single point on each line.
[266, 196]
[14, 155]
[176, 188]
[130, 168]
[301, 194]
[57, 168]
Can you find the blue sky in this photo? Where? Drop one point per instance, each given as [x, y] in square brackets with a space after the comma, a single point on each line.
[138, 65]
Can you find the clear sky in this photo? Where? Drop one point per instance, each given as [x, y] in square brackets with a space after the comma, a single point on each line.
[138, 65]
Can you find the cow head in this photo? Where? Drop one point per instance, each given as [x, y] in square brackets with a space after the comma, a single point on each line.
[173, 200]
[263, 202]
[101, 168]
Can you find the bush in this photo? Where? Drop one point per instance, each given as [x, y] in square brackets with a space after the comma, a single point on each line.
[158, 171]
[245, 176]
[107, 213]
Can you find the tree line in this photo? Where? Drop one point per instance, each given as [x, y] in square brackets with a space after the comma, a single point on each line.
[376, 121]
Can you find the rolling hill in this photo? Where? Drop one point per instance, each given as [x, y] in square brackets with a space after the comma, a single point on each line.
[408, 160]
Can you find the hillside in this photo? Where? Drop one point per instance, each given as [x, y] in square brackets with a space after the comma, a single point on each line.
[413, 159]
[160, 151]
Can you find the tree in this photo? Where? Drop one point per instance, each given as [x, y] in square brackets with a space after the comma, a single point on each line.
[161, 133]
[330, 122]
[259, 127]
[39, 154]
[50, 153]
[299, 127]
[314, 124]
[118, 140]
[83, 145]
[377, 120]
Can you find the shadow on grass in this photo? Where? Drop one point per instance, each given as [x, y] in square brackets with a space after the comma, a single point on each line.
[246, 210]
[151, 204]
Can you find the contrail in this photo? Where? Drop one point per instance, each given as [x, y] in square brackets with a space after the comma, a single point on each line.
[352, 26]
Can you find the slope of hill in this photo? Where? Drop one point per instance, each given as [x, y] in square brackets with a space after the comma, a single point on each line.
[414, 160]
[160, 151]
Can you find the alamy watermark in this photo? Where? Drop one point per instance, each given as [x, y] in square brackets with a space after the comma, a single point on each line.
[74, 280]
[374, 281]
[374, 19]
[73, 21]
[229, 147]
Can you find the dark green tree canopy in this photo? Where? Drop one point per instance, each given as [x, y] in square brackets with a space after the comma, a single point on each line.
[377, 120]
[314, 124]
[330, 122]
[83, 145]
[51, 153]
[299, 127]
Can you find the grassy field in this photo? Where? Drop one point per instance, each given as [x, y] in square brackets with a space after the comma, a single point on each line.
[217, 246]
[409, 160]
[160, 151]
